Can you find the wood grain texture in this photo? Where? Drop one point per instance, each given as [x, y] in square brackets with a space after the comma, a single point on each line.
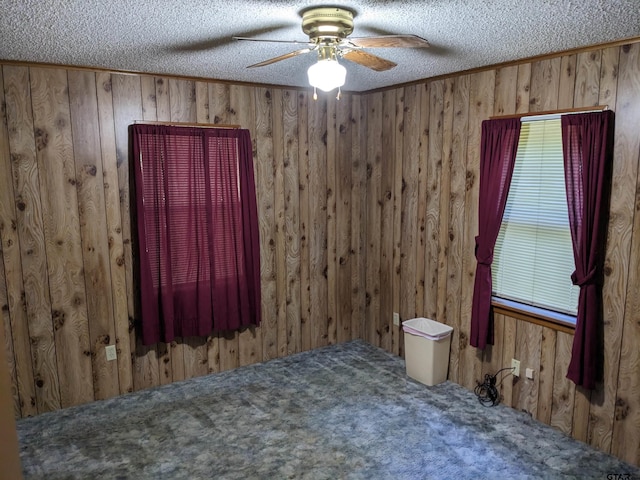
[93, 229]
[30, 228]
[146, 370]
[388, 211]
[8, 355]
[546, 375]
[528, 348]
[455, 147]
[447, 264]
[626, 439]
[59, 196]
[116, 242]
[545, 75]
[601, 413]
[429, 201]
[243, 112]
[481, 99]
[331, 151]
[439, 175]
[567, 84]
[587, 79]
[13, 306]
[267, 180]
[279, 206]
[127, 107]
[291, 186]
[398, 128]
[313, 142]
[373, 202]
[344, 257]
[358, 205]
[409, 206]
[318, 257]
[305, 222]
[563, 389]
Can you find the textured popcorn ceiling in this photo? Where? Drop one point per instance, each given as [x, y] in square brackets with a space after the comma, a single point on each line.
[193, 37]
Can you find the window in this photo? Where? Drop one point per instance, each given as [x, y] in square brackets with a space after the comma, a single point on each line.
[533, 256]
[197, 231]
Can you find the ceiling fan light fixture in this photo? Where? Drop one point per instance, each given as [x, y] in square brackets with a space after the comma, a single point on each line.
[327, 75]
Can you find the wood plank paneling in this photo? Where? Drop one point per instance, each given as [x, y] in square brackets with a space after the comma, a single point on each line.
[626, 193]
[14, 307]
[344, 257]
[266, 127]
[305, 261]
[387, 217]
[127, 107]
[358, 205]
[291, 221]
[30, 228]
[357, 199]
[454, 144]
[93, 229]
[318, 242]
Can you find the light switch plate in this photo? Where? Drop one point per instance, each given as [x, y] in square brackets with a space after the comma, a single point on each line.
[396, 319]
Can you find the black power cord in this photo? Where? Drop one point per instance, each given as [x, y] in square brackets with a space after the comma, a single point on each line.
[487, 392]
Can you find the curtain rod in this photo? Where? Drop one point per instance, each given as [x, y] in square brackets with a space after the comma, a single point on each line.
[188, 124]
[554, 112]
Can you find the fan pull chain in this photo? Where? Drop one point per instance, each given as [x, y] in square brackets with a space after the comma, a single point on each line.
[315, 94]
[339, 94]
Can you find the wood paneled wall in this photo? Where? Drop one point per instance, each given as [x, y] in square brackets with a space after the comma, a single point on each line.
[66, 284]
[368, 206]
[422, 197]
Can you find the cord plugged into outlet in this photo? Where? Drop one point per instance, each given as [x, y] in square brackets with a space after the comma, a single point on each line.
[515, 365]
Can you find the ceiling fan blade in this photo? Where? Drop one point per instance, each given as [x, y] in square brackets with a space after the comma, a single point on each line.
[281, 57]
[371, 61]
[266, 40]
[389, 41]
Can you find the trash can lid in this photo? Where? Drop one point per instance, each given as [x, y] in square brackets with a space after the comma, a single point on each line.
[427, 327]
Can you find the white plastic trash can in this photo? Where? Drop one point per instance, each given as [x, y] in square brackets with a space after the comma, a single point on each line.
[426, 349]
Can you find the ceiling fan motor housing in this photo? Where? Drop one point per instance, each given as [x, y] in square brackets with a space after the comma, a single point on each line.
[325, 23]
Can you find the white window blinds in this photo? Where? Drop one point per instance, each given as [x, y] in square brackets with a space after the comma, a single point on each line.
[533, 257]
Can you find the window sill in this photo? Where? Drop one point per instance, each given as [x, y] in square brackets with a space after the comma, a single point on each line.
[539, 316]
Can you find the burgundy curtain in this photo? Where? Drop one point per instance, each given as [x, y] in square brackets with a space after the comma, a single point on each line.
[587, 143]
[197, 231]
[497, 157]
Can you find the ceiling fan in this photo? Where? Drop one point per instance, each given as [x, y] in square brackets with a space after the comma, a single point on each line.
[328, 29]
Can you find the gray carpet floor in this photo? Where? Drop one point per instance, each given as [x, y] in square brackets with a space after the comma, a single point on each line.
[343, 411]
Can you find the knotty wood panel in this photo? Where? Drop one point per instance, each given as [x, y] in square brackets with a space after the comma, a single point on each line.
[387, 216]
[318, 241]
[82, 148]
[30, 229]
[607, 416]
[291, 221]
[358, 206]
[409, 207]
[279, 211]
[454, 144]
[481, 99]
[626, 426]
[373, 218]
[93, 229]
[310, 141]
[343, 257]
[13, 306]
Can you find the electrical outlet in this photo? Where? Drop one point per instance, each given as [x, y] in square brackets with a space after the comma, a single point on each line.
[515, 364]
[111, 352]
[529, 373]
[396, 319]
